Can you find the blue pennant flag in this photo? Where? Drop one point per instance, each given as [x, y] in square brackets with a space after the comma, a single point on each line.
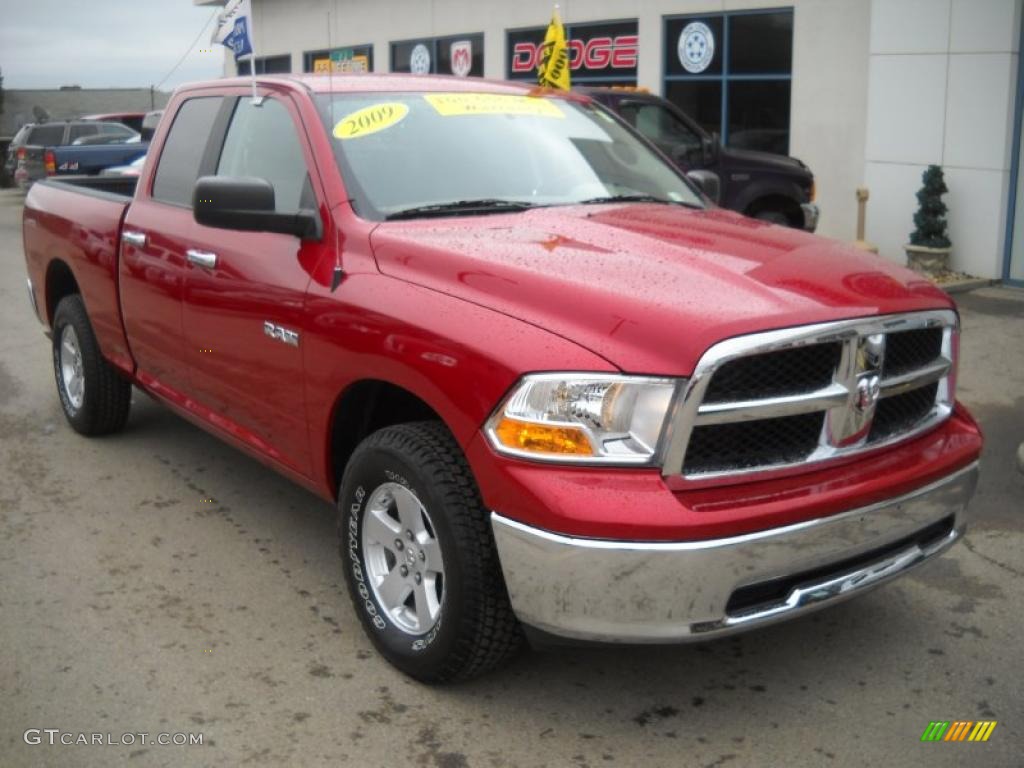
[234, 28]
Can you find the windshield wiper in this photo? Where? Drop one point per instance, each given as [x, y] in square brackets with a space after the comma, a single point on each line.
[638, 198]
[465, 207]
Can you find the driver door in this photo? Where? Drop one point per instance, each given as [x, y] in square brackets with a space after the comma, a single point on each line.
[244, 294]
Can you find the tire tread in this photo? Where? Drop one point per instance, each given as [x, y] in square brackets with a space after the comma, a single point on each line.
[490, 633]
[108, 395]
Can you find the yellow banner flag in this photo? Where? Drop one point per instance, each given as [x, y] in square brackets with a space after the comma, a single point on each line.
[553, 70]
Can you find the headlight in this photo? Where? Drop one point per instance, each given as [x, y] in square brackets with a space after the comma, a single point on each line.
[586, 418]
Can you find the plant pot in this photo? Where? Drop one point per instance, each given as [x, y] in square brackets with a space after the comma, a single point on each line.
[927, 261]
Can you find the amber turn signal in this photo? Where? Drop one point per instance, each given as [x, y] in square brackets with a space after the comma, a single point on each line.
[542, 438]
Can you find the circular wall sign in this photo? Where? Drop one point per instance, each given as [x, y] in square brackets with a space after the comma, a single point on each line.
[419, 61]
[696, 47]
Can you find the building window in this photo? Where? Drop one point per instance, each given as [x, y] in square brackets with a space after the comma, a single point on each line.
[461, 55]
[268, 65]
[600, 53]
[732, 73]
[351, 59]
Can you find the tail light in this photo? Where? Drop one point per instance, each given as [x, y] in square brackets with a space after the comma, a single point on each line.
[21, 153]
[49, 162]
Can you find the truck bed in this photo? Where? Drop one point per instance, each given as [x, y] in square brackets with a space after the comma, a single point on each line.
[93, 158]
[76, 223]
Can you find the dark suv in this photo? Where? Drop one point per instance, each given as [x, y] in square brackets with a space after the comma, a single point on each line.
[771, 187]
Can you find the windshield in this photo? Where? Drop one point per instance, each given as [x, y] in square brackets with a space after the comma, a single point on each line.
[400, 153]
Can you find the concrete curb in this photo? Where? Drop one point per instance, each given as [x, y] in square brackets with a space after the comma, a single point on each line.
[963, 286]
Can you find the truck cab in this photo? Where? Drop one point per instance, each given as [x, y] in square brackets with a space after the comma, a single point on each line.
[763, 185]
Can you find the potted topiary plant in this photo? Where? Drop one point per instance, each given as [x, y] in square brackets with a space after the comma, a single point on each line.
[929, 247]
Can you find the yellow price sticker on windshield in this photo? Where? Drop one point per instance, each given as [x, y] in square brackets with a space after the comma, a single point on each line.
[455, 104]
[369, 120]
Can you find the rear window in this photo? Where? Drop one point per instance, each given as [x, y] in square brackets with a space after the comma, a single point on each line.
[47, 135]
[183, 151]
[115, 129]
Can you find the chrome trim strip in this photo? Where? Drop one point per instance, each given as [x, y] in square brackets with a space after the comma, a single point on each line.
[772, 407]
[32, 298]
[811, 214]
[897, 385]
[859, 338]
[137, 239]
[625, 591]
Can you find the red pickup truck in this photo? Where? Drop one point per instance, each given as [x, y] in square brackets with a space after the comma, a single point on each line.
[554, 392]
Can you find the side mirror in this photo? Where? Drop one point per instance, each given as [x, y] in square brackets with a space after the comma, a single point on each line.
[708, 183]
[247, 204]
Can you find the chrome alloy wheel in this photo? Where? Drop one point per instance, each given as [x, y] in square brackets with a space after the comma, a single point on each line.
[71, 371]
[403, 558]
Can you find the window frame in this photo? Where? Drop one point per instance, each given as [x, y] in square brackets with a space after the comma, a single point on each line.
[262, 60]
[214, 157]
[1016, 161]
[215, 139]
[725, 77]
[30, 140]
[433, 43]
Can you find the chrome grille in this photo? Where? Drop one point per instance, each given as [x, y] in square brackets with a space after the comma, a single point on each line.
[740, 445]
[789, 371]
[908, 350]
[779, 400]
[902, 412]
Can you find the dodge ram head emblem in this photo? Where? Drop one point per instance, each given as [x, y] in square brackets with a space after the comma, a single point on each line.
[868, 390]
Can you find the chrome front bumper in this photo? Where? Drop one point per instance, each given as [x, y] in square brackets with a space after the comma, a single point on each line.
[811, 215]
[657, 592]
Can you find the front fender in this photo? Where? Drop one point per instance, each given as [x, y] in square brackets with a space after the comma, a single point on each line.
[457, 357]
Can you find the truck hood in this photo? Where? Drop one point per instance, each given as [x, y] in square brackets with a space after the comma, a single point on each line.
[749, 159]
[647, 287]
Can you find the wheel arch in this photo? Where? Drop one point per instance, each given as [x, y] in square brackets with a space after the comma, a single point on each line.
[60, 282]
[363, 407]
[777, 201]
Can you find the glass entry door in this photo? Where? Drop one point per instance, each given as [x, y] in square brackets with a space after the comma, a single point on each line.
[1015, 236]
[1016, 266]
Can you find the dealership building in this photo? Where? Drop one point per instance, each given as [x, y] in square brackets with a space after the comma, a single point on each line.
[866, 92]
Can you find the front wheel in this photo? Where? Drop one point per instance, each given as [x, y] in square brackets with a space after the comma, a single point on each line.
[419, 557]
[774, 217]
[94, 397]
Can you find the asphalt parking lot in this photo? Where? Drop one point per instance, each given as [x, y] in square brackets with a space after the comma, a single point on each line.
[159, 581]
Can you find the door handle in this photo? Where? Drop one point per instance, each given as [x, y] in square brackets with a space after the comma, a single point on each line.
[138, 239]
[202, 259]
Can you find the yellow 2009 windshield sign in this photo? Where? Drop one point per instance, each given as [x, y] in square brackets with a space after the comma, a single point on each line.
[371, 119]
[455, 104]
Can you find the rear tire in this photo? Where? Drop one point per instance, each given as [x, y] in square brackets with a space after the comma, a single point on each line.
[94, 397]
[410, 516]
